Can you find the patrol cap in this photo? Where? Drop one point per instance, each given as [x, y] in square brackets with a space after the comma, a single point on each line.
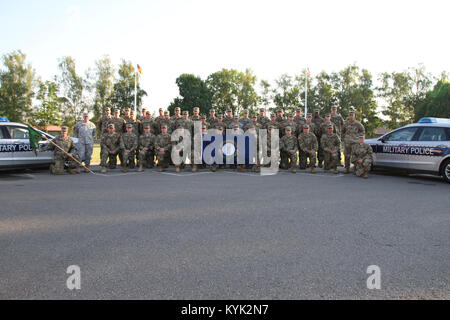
[306, 126]
[127, 108]
[270, 127]
[203, 116]
[236, 126]
[212, 110]
[236, 116]
[255, 116]
[64, 128]
[288, 128]
[108, 108]
[361, 136]
[116, 110]
[147, 126]
[352, 111]
[160, 109]
[309, 115]
[279, 110]
[220, 116]
[298, 110]
[85, 114]
[196, 109]
[272, 115]
[328, 115]
[148, 112]
[262, 109]
[330, 126]
[229, 110]
[177, 108]
[245, 111]
[334, 107]
[290, 115]
[164, 126]
[129, 125]
[166, 113]
[110, 126]
[316, 110]
[185, 112]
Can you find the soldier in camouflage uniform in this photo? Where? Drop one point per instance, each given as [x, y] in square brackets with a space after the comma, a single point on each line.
[149, 121]
[331, 146]
[245, 120]
[291, 123]
[163, 147]
[228, 118]
[130, 144]
[308, 145]
[212, 117]
[338, 123]
[66, 143]
[289, 146]
[167, 122]
[235, 122]
[351, 130]
[324, 126]
[219, 124]
[318, 121]
[142, 116]
[176, 116]
[253, 124]
[280, 116]
[204, 122]
[299, 119]
[362, 157]
[146, 148]
[272, 122]
[112, 144]
[118, 122]
[159, 118]
[196, 114]
[102, 123]
[262, 119]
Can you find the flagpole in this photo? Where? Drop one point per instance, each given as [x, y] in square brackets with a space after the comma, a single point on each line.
[135, 93]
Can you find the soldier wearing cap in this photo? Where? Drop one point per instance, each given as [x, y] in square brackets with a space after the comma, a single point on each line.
[280, 116]
[212, 117]
[160, 116]
[234, 123]
[255, 124]
[291, 123]
[177, 114]
[351, 130]
[130, 144]
[66, 143]
[323, 129]
[308, 146]
[272, 122]
[118, 122]
[338, 121]
[196, 114]
[362, 157]
[112, 144]
[146, 148]
[245, 120]
[288, 149]
[331, 145]
[126, 115]
[167, 122]
[142, 116]
[85, 132]
[262, 119]
[148, 120]
[219, 123]
[163, 147]
[102, 123]
[299, 119]
[318, 121]
[204, 122]
[228, 117]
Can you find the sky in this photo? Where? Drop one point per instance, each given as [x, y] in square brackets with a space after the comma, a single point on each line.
[171, 37]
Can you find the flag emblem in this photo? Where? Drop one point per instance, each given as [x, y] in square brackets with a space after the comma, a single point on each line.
[139, 69]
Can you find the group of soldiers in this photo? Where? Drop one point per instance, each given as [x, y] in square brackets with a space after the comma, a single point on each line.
[319, 140]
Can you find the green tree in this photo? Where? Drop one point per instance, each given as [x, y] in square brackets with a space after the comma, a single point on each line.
[194, 93]
[123, 89]
[16, 87]
[286, 93]
[265, 97]
[103, 86]
[48, 111]
[436, 102]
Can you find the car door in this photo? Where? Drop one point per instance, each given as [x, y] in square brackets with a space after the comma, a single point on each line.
[432, 142]
[6, 148]
[23, 154]
[394, 148]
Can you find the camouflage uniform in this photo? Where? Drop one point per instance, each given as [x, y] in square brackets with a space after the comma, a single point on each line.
[339, 123]
[227, 120]
[162, 141]
[147, 157]
[350, 133]
[119, 124]
[318, 121]
[130, 142]
[307, 142]
[362, 152]
[288, 143]
[102, 124]
[85, 132]
[110, 142]
[60, 157]
[331, 142]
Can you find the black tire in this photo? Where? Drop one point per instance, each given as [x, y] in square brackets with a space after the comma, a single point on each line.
[445, 170]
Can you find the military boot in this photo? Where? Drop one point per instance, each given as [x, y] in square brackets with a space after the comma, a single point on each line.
[366, 174]
[347, 170]
[335, 171]
[213, 168]
[103, 170]
[69, 170]
[293, 168]
[312, 169]
[177, 169]
[52, 169]
[140, 168]
[194, 168]
[241, 168]
[124, 169]
[160, 168]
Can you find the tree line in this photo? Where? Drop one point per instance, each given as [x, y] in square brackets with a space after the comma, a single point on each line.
[393, 100]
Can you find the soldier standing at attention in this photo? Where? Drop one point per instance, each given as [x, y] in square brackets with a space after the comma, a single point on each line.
[228, 118]
[212, 117]
[177, 115]
[142, 116]
[66, 143]
[118, 122]
[331, 146]
[308, 145]
[351, 130]
[102, 123]
[255, 124]
[245, 120]
[362, 157]
[161, 116]
[127, 116]
[262, 119]
[85, 132]
[196, 114]
[219, 124]
[318, 120]
[289, 146]
[163, 146]
[150, 122]
[167, 122]
[272, 122]
[299, 119]
[130, 144]
[338, 123]
[146, 148]
[204, 122]
[111, 145]
[324, 126]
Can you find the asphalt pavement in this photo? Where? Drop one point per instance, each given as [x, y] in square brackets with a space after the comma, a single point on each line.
[223, 235]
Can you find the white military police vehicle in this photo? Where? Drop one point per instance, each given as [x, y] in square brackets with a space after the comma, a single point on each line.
[15, 149]
[422, 147]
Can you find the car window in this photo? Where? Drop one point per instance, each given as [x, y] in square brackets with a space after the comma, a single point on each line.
[433, 134]
[405, 134]
[18, 133]
[2, 135]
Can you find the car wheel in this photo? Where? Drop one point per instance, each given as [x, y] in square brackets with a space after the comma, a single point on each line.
[445, 170]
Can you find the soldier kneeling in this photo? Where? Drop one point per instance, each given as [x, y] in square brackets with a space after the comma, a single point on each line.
[362, 158]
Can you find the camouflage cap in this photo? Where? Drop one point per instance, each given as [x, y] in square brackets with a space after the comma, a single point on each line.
[316, 110]
[164, 126]
[166, 113]
[177, 108]
[127, 108]
[255, 116]
[279, 110]
[245, 111]
[262, 109]
[306, 126]
[290, 115]
[330, 126]
[147, 126]
[110, 126]
[64, 128]
[236, 116]
[85, 114]
[203, 116]
[160, 109]
[108, 108]
[116, 110]
[212, 110]
[272, 115]
[129, 125]
[352, 111]
[148, 112]
[220, 116]
[236, 126]
[309, 115]
[185, 112]
[270, 127]
[229, 110]
[298, 110]
[361, 136]
[334, 107]
[196, 109]
[288, 128]
[328, 115]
